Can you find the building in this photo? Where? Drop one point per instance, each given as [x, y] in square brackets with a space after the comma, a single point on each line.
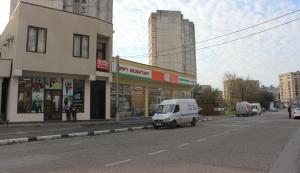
[101, 9]
[289, 84]
[56, 62]
[172, 42]
[142, 87]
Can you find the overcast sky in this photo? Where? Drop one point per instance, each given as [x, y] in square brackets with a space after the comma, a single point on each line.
[261, 57]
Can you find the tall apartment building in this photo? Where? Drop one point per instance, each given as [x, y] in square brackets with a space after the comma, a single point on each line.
[101, 9]
[290, 87]
[51, 59]
[172, 42]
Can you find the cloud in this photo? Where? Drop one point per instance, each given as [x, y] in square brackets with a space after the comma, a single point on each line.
[261, 57]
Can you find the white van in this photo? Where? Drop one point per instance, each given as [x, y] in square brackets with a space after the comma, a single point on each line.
[243, 109]
[175, 112]
[256, 108]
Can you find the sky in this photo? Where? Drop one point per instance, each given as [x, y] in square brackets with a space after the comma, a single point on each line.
[261, 57]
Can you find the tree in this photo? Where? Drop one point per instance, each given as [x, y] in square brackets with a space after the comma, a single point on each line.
[266, 98]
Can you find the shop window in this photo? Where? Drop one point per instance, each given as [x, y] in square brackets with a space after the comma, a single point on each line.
[38, 88]
[68, 89]
[24, 95]
[36, 39]
[80, 46]
[155, 97]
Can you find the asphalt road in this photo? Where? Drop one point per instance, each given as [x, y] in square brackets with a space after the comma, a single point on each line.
[266, 143]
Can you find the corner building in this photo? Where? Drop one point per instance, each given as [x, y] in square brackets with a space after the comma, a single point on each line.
[58, 58]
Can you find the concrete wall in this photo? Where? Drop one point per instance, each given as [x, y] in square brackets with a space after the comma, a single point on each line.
[101, 9]
[59, 49]
[5, 68]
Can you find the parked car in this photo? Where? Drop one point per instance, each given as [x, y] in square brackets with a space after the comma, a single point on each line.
[243, 109]
[273, 109]
[256, 108]
[175, 112]
[296, 113]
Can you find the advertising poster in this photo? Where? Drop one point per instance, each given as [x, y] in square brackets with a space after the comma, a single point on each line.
[38, 89]
[53, 84]
[68, 88]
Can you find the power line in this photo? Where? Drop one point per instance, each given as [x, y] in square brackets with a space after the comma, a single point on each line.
[224, 35]
[233, 40]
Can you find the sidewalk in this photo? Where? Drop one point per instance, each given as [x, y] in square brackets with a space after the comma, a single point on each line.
[26, 132]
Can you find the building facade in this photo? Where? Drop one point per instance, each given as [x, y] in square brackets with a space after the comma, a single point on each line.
[172, 42]
[142, 87]
[58, 59]
[101, 9]
[289, 86]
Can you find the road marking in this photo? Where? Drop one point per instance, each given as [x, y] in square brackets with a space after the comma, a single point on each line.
[183, 145]
[156, 152]
[117, 163]
[235, 130]
[226, 132]
[216, 135]
[201, 140]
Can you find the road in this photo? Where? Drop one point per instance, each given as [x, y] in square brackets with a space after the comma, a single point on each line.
[259, 144]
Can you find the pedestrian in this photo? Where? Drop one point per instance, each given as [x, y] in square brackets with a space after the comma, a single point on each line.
[68, 115]
[73, 112]
[290, 111]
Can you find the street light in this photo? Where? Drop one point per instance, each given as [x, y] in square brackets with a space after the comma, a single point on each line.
[117, 99]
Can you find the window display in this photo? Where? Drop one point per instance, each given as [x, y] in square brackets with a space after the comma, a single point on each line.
[38, 94]
[24, 95]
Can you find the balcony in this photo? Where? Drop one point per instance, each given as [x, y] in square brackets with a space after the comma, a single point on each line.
[5, 68]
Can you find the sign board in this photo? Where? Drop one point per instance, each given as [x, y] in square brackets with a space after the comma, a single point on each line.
[132, 71]
[102, 65]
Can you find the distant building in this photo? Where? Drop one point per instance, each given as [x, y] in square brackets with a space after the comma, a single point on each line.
[290, 87]
[101, 9]
[172, 42]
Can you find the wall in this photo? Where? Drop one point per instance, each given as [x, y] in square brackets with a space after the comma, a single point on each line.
[60, 29]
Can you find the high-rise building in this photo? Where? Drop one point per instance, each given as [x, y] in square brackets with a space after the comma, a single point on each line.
[172, 42]
[290, 87]
[101, 9]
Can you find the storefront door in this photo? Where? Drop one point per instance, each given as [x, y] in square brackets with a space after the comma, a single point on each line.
[53, 105]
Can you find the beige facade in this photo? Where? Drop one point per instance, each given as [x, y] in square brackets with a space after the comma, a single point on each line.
[101, 9]
[290, 87]
[58, 61]
[172, 42]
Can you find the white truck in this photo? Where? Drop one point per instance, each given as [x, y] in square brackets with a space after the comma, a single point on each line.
[256, 108]
[176, 112]
[243, 109]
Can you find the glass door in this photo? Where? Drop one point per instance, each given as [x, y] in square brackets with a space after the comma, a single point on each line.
[53, 105]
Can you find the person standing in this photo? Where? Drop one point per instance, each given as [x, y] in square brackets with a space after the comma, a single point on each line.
[73, 112]
[290, 111]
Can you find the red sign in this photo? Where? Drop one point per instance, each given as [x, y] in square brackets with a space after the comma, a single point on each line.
[102, 65]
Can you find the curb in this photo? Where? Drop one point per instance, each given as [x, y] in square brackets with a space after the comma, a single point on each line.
[69, 135]
[79, 134]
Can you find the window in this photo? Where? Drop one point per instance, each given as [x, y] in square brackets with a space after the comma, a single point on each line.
[24, 95]
[176, 109]
[80, 46]
[78, 95]
[36, 39]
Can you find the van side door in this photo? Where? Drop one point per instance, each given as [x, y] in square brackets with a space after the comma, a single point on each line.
[177, 114]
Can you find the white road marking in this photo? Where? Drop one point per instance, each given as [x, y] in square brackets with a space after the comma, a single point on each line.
[201, 140]
[216, 135]
[156, 152]
[183, 145]
[117, 163]
[235, 130]
[226, 132]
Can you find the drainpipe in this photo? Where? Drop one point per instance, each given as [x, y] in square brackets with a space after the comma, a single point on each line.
[117, 99]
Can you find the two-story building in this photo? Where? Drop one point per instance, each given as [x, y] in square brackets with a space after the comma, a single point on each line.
[59, 59]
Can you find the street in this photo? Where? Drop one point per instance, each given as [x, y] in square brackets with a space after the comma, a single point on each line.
[265, 143]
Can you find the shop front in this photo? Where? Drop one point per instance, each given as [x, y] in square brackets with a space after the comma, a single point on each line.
[49, 97]
[141, 88]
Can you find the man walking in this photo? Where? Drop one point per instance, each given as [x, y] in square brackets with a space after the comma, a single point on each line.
[290, 111]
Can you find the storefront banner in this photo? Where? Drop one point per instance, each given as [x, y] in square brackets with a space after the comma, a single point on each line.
[186, 81]
[53, 84]
[68, 87]
[132, 71]
[102, 64]
[171, 78]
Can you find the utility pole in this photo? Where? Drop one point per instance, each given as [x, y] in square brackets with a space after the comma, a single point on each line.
[117, 98]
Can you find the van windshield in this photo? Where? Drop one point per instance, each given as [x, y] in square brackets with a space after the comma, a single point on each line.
[165, 108]
[254, 107]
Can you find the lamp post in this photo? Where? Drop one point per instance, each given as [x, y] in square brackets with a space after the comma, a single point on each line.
[117, 98]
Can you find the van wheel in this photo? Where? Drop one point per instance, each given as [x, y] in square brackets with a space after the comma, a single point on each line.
[193, 123]
[173, 124]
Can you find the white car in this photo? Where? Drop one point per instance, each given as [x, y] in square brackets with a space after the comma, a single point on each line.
[176, 112]
[296, 113]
